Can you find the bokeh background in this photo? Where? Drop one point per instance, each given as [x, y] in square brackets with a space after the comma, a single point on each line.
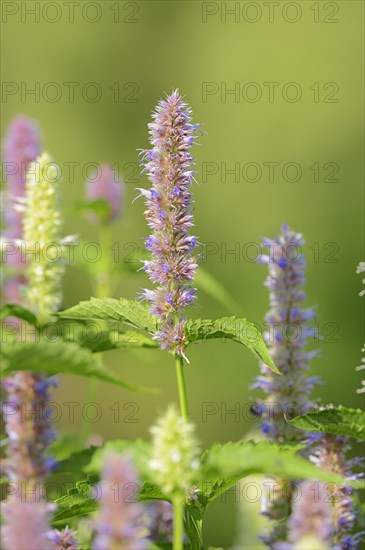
[145, 49]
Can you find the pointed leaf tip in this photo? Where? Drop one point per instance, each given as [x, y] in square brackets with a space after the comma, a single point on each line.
[233, 328]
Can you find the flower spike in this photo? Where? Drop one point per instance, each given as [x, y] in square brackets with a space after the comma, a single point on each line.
[41, 225]
[175, 454]
[120, 523]
[169, 214]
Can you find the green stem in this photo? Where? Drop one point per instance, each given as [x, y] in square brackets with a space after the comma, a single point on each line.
[178, 541]
[102, 284]
[181, 386]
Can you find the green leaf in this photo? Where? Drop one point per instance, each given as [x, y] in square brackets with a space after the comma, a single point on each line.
[234, 328]
[193, 523]
[15, 310]
[75, 462]
[65, 445]
[94, 336]
[138, 449]
[115, 339]
[149, 492]
[59, 357]
[131, 312]
[334, 420]
[79, 501]
[224, 465]
[206, 282]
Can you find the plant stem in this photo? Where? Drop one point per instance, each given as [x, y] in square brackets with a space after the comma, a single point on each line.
[102, 290]
[181, 386]
[178, 541]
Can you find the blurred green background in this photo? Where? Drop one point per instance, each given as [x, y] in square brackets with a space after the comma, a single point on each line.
[148, 48]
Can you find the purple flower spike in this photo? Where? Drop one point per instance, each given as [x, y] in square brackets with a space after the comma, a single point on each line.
[287, 336]
[104, 184]
[312, 514]
[28, 427]
[168, 166]
[161, 516]
[330, 454]
[21, 147]
[310, 524]
[120, 523]
[27, 523]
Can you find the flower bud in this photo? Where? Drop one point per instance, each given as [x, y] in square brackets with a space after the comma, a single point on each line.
[175, 454]
[41, 230]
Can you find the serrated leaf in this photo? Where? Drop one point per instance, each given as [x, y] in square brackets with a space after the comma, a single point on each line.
[59, 357]
[115, 339]
[234, 328]
[88, 334]
[78, 501]
[15, 310]
[224, 465]
[81, 499]
[132, 312]
[334, 420]
[150, 492]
